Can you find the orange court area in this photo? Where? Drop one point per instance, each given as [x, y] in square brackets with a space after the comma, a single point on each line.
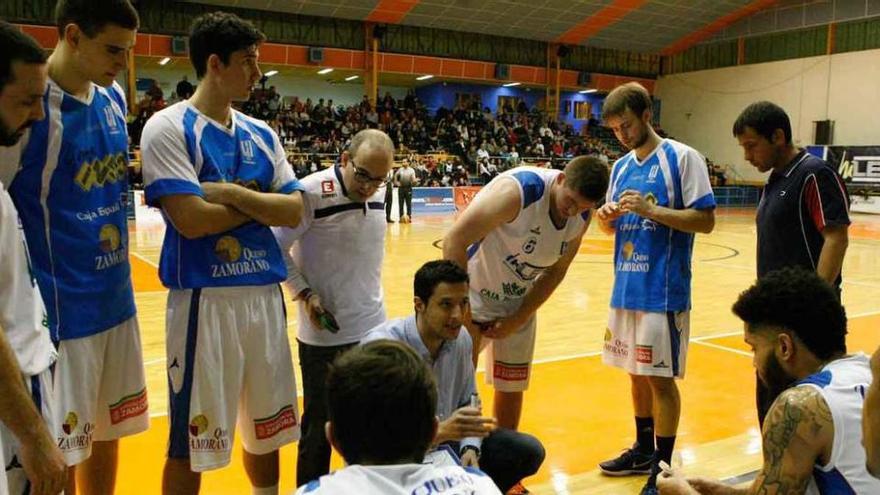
[578, 407]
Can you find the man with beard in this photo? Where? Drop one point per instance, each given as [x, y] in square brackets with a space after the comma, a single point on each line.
[334, 264]
[29, 452]
[436, 331]
[803, 216]
[812, 438]
[659, 196]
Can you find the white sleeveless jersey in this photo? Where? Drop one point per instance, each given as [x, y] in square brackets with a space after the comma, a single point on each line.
[504, 265]
[403, 479]
[22, 313]
[843, 383]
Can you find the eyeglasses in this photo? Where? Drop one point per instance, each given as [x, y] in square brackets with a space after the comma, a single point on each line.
[364, 177]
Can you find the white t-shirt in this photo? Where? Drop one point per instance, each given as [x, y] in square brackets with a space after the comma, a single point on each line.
[403, 479]
[337, 250]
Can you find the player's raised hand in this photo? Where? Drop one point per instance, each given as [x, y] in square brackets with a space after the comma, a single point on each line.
[609, 212]
[633, 201]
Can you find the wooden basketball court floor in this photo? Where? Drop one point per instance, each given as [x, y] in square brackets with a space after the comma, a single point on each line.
[578, 407]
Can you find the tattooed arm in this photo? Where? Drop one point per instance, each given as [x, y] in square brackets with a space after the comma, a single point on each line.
[798, 433]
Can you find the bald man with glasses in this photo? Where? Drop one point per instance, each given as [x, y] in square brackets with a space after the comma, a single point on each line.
[334, 264]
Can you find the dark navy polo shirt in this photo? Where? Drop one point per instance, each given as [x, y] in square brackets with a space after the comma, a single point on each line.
[796, 205]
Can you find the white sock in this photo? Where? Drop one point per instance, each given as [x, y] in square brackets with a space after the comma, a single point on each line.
[269, 490]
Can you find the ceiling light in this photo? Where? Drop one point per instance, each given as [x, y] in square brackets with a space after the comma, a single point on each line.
[325, 71]
[351, 78]
[511, 84]
[165, 61]
[424, 78]
[271, 73]
[585, 91]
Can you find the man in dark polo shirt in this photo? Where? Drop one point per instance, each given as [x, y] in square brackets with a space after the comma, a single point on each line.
[803, 215]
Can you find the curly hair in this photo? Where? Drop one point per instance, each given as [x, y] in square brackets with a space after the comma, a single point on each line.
[798, 301]
[221, 34]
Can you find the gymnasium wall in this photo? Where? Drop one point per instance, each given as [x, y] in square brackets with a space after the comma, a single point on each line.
[287, 85]
[699, 108]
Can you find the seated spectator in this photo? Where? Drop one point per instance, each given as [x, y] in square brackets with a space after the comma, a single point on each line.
[381, 400]
[437, 334]
[812, 435]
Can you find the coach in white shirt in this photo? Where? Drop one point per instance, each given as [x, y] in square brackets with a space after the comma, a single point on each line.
[334, 261]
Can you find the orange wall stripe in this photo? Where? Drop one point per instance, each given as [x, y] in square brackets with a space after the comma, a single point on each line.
[159, 45]
[391, 11]
[599, 21]
[719, 24]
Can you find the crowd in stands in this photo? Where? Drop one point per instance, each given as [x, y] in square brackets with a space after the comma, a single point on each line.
[475, 142]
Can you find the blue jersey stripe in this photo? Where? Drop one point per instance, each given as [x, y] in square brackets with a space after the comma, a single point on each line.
[672, 159]
[532, 187]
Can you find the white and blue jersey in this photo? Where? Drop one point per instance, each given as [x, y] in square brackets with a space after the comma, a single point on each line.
[182, 148]
[843, 383]
[505, 264]
[652, 262]
[71, 191]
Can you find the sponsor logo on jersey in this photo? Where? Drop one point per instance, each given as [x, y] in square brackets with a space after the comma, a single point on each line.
[237, 260]
[525, 271]
[649, 225]
[513, 289]
[215, 440]
[327, 187]
[269, 427]
[633, 261]
[110, 243]
[644, 354]
[490, 294]
[74, 439]
[447, 484]
[99, 173]
[510, 372]
[128, 407]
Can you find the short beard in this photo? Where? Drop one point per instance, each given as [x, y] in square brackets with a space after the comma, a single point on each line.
[9, 137]
[775, 378]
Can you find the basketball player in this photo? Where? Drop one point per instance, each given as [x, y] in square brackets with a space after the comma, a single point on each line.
[334, 264]
[71, 192]
[658, 198]
[382, 401]
[812, 437]
[436, 333]
[221, 179]
[871, 418]
[33, 462]
[517, 238]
